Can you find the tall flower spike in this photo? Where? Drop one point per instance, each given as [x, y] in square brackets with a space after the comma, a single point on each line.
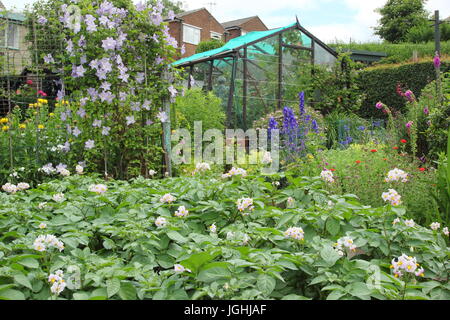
[437, 61]
[302, 103]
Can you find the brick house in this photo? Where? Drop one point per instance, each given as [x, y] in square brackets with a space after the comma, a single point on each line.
[14, 51]
[191, 27]
[240, 27]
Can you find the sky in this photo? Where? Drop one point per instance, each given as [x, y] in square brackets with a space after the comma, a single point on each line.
[329, 20]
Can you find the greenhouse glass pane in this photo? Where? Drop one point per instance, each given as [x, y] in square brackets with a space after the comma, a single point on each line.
[262, 81]
[200, 75]
[296, 74]
[221, 79]
[322, 56]
[297, 38]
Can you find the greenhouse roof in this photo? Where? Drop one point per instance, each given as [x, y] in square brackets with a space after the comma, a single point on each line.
[14, 16]
[237, 43]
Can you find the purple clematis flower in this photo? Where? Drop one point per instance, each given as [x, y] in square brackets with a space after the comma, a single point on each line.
[130, 120]
[109, 44]
[90, 144]
[105, 131]
[97, 123]
[81, 112]
[49, 59]
[42, 20]
[90, 23]
[76, 132]
[78, 71]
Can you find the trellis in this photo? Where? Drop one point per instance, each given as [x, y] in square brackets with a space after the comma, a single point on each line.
[26, 63]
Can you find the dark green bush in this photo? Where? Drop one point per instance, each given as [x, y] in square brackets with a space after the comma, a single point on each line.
[380, 84]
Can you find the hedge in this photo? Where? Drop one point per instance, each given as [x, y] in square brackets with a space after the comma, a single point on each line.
[380, 84]
[397, 52]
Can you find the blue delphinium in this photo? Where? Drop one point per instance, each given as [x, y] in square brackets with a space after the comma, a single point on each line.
[315, 126]
[273, 124]
[302, 103]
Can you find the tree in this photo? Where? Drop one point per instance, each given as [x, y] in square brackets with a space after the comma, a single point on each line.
[398, 17]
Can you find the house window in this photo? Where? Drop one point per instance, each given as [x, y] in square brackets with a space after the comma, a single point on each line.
[9, 36]
[216, 35]
[191, 34]
[243, 32]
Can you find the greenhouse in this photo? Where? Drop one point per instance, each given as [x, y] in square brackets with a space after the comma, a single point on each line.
[259, 72]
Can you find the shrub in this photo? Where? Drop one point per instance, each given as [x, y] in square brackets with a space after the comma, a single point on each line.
[196, 105]
[337, 89]
[209, 45]
[379, 84]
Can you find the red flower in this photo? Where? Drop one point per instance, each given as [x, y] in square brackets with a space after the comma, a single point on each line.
[385, 159]
[403, 141]
[333, 169]
[395, 148]
[422, 169]
[358, 161]
[374, 150]
[29, 82]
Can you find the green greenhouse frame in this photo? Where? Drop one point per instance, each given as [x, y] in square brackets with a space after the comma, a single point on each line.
[259, 72]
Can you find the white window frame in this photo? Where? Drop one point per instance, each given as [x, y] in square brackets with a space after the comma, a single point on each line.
[5, 30]
[216, 35]
[197, 36]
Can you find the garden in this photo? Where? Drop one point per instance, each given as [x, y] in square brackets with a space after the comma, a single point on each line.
[94, 207]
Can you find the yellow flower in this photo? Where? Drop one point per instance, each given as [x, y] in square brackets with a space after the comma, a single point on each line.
[30, 105]
[51, 114]
[22, 126]
[38, 104]
[40, 126]
[5, 128]
[4, 120]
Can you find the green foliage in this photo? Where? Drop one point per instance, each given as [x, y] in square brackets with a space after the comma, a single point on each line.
[425, 33]
[398, 17]
[343, 128]
[397, 52]
[337, 90]
[379, 84]
[196, 105]
[360, 171]
[209, 45]
[434, 133]
[113, 249]
[135, 88]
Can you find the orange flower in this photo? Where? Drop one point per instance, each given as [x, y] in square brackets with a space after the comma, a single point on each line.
[374, 150]
[333, 169]
[358, 161]
[385, 159]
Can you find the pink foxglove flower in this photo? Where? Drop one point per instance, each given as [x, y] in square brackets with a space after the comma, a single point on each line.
[437, 61]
